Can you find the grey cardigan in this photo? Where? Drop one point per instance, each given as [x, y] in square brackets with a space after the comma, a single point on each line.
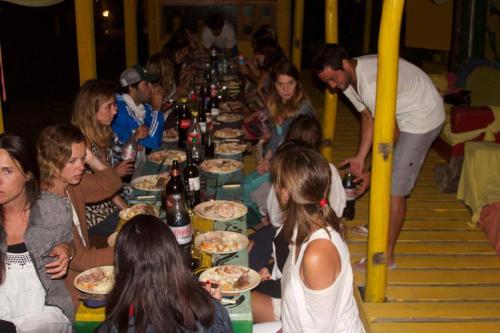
[50, 223]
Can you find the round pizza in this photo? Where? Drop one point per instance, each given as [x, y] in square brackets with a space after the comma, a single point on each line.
[229, 117]
[168, 155]
[220, 210]
[221, 242]
[221, 165]
[97, 280]
[228, 133]
[230, 148]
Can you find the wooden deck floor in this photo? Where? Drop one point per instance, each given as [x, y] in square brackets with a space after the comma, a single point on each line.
[448, 275]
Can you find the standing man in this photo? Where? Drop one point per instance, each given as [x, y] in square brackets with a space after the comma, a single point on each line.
[219, 33]
[136, 116]
[419, 118]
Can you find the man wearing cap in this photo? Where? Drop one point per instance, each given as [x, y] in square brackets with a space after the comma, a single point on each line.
[136, 116]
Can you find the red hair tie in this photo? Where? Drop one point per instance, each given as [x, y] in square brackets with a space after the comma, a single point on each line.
[323, 202]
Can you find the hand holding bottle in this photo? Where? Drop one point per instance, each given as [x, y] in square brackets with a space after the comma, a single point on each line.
[125, 168]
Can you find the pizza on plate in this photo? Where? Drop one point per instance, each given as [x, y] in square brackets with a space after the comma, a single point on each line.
[221, 209]
[228, 133]
[230, 278]
[150, 182]
[222, 242]
[221, 165]
[97, 280]
[168, 155]
[229, 117]
[230, 148]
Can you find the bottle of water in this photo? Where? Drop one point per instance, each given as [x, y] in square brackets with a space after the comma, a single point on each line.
[129, 152]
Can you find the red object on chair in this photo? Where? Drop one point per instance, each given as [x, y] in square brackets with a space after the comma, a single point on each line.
[464, 119]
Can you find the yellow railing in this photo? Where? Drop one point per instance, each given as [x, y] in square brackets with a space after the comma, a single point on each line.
[84, 12]
[130, 13]
[298, 28]
[330, 108]
[383, 139]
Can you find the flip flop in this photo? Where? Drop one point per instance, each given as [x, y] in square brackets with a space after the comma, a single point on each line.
[361, 265]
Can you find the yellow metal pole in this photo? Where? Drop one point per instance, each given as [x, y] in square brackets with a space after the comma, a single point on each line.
[367, 26]
[283, 23]
[330, 108]
[153, 20]
[383, 139]
[130, 13]
[84, 12]
[1, 119]
[298, 28]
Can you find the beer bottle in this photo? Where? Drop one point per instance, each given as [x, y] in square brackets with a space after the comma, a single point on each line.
[174, 185]
[184, 123]
[208, 142]
[191, 182]
[179, 222]
[350, 193]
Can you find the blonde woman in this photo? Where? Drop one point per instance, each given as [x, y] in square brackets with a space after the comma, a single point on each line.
[62, 155]
[93, 111]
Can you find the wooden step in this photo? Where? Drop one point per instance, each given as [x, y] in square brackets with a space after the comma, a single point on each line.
[434, 235]
[443, 262]
[445, 277]
[422, 225]
[432, 248]
[485, 326]
[433, 311]
[443, 294]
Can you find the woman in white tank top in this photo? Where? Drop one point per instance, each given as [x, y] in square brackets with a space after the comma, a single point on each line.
[316, 286]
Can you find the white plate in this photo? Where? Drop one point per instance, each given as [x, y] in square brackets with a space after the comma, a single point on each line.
[97, 288]
[209, 210]
[212, 275]
[233, 147]
[228, 117]
[228, 133]
[233, 241]
[147, 183]
[170, 155]
[220, 162]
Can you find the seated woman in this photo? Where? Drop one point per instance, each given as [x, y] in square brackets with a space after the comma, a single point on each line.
[62, 155]
[154, 291]
[287, 101]
[93, 111]
[266, 298]
[267, 53]
[317, 281]
[174, 75]
[31, 226]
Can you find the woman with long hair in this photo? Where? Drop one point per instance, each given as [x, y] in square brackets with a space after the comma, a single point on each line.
[317, 282]
[94, 109]
[287, 101]
[171, 67]
[266, 298]
[154, 291]
[62, 156]
[267, 52]
[32, 224]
